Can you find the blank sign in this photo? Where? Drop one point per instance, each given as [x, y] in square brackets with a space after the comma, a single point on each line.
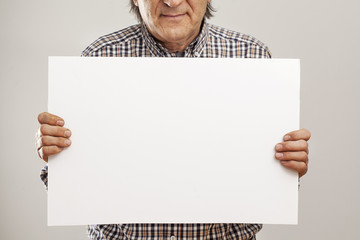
[173, 140]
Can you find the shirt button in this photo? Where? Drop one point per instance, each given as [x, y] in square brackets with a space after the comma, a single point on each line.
[172, 238]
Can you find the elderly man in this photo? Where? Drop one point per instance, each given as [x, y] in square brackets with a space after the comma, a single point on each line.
[173, 28]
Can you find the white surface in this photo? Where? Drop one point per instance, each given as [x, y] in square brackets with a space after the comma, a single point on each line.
[172, 140]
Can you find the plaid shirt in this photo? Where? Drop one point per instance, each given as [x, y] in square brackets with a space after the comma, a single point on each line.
[136, 41]
[212, 42]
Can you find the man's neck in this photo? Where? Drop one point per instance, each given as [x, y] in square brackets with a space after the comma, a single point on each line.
[179, 45]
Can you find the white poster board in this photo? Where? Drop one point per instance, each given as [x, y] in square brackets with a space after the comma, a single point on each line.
[173, 140]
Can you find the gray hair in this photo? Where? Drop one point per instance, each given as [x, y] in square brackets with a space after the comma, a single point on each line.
[135, 10]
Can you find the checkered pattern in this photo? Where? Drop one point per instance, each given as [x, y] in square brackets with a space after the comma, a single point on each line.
[174, 231]
[214, 42]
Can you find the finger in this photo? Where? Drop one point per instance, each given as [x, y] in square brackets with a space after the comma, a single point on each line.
[299, 167]
[51, 119]
[52, 141]
[55, 131]
[47, 151]
[302, 134]
[292, 156]
[300, 145]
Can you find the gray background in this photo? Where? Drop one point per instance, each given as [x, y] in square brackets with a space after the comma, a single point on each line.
[324, 34]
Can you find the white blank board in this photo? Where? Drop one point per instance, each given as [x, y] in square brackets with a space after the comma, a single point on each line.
[173, 140]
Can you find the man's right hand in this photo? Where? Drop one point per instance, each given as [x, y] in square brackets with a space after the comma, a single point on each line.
[51, 137]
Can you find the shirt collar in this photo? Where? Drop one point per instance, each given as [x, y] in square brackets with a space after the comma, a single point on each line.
[194, 49]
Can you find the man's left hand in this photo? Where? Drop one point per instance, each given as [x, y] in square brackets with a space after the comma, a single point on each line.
[293, 152]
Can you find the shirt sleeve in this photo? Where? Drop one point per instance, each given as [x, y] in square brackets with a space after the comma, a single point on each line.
[267, 53]
[264, 51]
[44, 176]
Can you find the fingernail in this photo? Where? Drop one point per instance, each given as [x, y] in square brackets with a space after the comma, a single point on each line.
[67, 142]
[67, 133]
[283, 162]
[278, 146]
[279, 155]
[287, 137]
[60, 123]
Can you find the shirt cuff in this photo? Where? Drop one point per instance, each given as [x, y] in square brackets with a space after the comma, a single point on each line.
[44, 176]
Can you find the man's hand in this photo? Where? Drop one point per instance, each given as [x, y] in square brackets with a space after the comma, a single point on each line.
[51, 137]
[293, 152]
